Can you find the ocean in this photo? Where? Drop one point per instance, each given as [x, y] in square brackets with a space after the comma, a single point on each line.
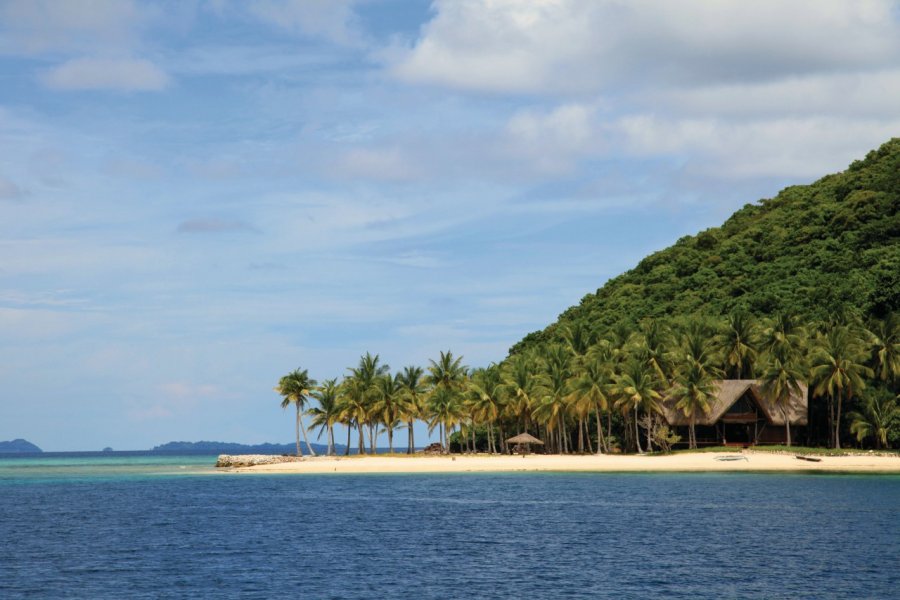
[146, 526]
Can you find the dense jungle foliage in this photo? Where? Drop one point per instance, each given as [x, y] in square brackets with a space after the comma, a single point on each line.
[812, 251]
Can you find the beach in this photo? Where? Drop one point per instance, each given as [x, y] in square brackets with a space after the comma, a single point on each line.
[748, 461]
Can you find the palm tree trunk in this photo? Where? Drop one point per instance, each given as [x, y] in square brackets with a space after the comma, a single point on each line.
[502, 439]
[601, 443]
[412, 442]
[837, 422]
[474, 449]
[580, 435]
[299, 451]
[831, 420]
[637, 431]
[347, 449]
[587, 434]
[608, 440]
[787, 425]
[362, 438]
[692, 435]
[390, 439]
[331, 451]
[303, 431]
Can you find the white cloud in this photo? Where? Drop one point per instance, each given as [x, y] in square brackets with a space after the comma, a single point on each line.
[329, 19]
[38, 26]
[570, 46]
[379, 164]
[553, 140]
[783, 147]
[866, 94]
[122, 74]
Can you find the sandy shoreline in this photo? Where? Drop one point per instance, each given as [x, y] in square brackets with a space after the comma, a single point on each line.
[700, 462]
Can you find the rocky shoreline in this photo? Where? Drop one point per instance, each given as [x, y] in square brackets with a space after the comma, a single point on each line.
[252, 460]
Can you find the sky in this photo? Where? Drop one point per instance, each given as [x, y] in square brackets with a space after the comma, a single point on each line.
[198, 196]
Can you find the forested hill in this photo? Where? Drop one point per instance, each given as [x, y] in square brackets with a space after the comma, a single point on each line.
[811, 251]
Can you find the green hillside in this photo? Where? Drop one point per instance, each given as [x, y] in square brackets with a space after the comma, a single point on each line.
[811, 251]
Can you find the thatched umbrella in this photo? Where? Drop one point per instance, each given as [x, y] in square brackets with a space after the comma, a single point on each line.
[524, 439]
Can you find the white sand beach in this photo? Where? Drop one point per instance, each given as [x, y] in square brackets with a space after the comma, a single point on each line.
[747, 460]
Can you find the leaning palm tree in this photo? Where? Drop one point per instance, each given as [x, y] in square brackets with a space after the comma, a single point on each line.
[412, 392]
[781, 381]
[295, 388]
[838, 371]
[879, 416]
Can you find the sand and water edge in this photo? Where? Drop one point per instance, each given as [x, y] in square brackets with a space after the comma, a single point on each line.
[746, 461]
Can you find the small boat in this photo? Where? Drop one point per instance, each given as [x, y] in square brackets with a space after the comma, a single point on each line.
[809, 458]
[731, 457]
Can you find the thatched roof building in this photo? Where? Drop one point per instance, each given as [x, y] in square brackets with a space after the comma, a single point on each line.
[742, 411]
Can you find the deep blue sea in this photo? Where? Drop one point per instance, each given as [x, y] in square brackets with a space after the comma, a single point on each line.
[171, 527]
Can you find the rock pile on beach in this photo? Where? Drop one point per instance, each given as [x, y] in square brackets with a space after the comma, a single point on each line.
[251, 460]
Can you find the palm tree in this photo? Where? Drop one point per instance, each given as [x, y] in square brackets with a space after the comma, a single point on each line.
[447, 377]
[636, 389]
[738, 342]
[592, 386]
[325, 415]
[354, 408]
[295, 388]
[652, 346]
[388, 389]
[364, 379]
[784, 337]
[553, 391]
[880, 414]
[445, 409]
[885, 336]
[486, 393]
[412, 392]
[782, 379]
[838, 371]
[519, 383]
[694, 389]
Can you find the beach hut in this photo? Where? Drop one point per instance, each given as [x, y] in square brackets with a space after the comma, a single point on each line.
[742, 414]
[523, 442]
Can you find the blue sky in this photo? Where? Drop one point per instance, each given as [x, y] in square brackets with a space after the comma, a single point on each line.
[199, 196]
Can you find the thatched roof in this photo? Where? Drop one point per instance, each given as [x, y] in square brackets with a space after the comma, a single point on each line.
[524, 438]
[728, 392]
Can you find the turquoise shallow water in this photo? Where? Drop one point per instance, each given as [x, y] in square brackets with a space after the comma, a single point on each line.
[149, 527]
[92, 466]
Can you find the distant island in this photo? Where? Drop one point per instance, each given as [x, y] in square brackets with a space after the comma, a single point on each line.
[18, 446]
[205, 447]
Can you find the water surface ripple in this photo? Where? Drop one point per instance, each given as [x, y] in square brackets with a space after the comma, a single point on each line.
[172, 532]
